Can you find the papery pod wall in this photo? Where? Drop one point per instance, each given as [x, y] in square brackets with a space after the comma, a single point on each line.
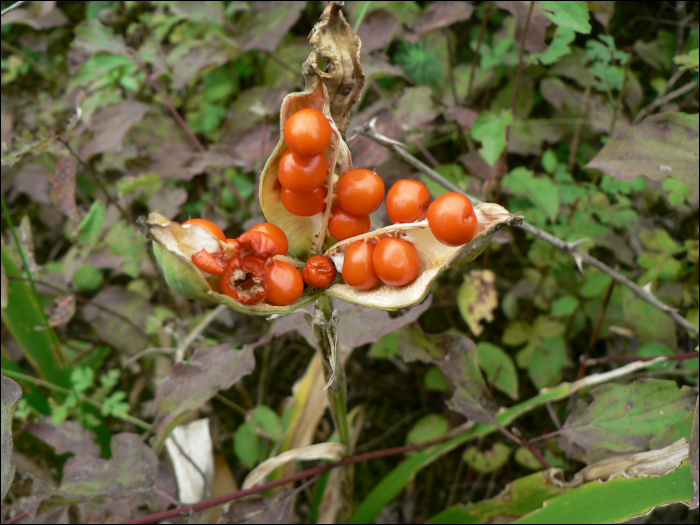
[434, 258]
[174, 247]
[332, 91]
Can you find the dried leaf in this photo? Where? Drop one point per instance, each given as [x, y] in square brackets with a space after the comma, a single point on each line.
[477, 298]
[434, 258]
[190, 385]
[642, 465]
[11, 393]
[69, 436]
[3, 286]
[269, 23]
[63, 187]
[191, 443]
[327, 451]
[272, 509]
[44, 19]
[537, 25]
[64, 311]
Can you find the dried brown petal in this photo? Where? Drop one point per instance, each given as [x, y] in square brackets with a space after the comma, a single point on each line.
[434, 258]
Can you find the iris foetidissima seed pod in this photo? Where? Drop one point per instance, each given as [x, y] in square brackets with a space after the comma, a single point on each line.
[332, 92]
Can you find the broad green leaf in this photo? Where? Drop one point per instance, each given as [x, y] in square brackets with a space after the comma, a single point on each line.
[655, 350]
[267, 421]
[564, 306]
[499, 368]
[648, 323]
[596, 283]
[558, 48]
[246, 444]
[678, 191]
[488, 461]
[427, 428]
[547, 362]
[518, 498]
[541, 191]
[490, 129]
[660, 146]
[87, 278]
[433, 380]
[90, 227]
[623, 418]
[689, 60]
[386, 346]
[572, 15]
[516, 333]
[93, 37]
[527, 459]
[25, 319]
[616, 501]
[659, 240]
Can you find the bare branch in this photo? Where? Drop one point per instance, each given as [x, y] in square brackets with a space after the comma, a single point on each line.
[369, 131]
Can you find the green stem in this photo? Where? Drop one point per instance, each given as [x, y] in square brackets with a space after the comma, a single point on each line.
[40, 382]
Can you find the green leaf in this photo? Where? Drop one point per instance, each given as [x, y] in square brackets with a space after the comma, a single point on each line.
[617, 500]
[267, 421]
[519, 497]
[648, 323]
[689, 60]
[427, 428]
[572, 15]
[498, 366]
[433, 380]
[90, 227]
[386, 347]
[557, 49]
[623, 418]
[516, 333]
[596, 283]
[87, 278]
[488, 461]
[547, 362]
[678, 191]
[490, 129]
[564, 306]
[541, 191]
[660, 146]
[655, 350]
[659, 240]
[246, 444]
[527, 459]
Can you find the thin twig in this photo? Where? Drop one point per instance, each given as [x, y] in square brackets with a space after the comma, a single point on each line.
[176, 115]
[660, 101]
[315, 471]
[596, 330]
[480, 39]
[613, 358]
[370, 131]
[11, 8]
[194, 334]
[97, 179]
[577, 130]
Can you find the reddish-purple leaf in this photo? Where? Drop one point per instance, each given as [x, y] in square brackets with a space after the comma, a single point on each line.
[11, 393]
[69, 436]
[63, 187]
[268, 24]
[132, 470]
[190, 385]
[537, 27]
[443, 14]
[64, 311]
[376, 31]
[110, 125]
[693, 454]
[660, 146]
